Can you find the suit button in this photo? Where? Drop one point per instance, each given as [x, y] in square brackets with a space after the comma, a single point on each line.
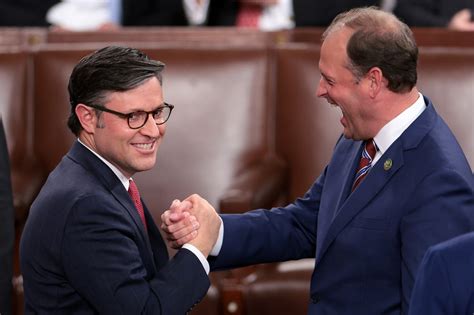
[316, 299]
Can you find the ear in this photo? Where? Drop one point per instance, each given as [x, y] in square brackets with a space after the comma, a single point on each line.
[87, 117]
[376, 81]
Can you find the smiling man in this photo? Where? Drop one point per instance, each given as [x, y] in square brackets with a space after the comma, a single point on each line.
[90, 246]
[397, 182]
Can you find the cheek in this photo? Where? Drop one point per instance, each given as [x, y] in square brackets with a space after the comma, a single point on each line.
[162, 129]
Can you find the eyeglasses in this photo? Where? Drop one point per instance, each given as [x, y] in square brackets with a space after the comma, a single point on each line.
[138, 119]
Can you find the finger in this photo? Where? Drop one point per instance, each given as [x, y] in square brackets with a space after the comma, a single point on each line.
[188, 224]
[179, 243]
[176, 216]
[186, 205]
[184, 231]
[165, 217]
[175, 204]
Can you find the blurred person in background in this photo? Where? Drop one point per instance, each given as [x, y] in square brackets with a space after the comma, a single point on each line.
[269, 15]
[7, 233]
[24, 12]
[452, 14]
[91, 15]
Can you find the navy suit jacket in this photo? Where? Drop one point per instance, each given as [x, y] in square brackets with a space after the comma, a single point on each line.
[84, 249]
[445, 282]
[368, 244]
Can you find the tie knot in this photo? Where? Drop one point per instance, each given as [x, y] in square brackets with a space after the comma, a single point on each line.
[370, 148]
[133, 191]
[365, 162]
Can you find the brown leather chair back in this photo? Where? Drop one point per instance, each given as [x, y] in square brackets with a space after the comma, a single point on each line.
[307, 126]
[446, 76]
[53, 66]
[17, 114]
[15, 107]
[222, 122]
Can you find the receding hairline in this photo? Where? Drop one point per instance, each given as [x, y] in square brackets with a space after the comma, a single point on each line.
[370, 18]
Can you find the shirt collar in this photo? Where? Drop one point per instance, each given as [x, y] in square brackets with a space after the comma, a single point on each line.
[394, 128]
[123, 179]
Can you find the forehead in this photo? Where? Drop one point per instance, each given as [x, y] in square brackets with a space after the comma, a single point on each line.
[333, 49]
[148, 94]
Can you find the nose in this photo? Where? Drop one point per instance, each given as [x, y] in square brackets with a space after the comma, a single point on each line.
[321, 90]
[151, 129]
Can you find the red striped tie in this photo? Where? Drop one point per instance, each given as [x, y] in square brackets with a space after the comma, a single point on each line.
[135, 195]
[365, 163]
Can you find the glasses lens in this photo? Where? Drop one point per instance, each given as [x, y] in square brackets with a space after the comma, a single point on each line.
[137, 119]
[161, 115]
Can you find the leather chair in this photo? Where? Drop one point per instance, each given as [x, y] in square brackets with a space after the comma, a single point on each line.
[219, 135]
[219, 141]
[17, 114]
[306, 132]
[446, 76]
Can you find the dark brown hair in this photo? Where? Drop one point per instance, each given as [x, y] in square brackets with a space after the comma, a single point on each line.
[110, 69]
[379, 40]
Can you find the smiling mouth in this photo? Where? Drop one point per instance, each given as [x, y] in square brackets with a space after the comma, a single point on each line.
[145, 146]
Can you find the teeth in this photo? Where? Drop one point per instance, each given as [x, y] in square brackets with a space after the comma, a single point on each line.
[145, 146]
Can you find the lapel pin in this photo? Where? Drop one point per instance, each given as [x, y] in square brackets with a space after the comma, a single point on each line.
[387, 164]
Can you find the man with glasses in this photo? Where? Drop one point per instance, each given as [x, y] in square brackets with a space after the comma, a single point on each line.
[90, 245]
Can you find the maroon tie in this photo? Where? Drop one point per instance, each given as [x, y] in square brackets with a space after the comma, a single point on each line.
[365, 163]
[135, 195]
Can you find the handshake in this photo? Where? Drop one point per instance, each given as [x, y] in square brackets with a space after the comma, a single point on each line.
[193, 221]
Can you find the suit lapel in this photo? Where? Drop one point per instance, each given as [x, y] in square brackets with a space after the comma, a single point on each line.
[378, 177]
[95, 166]
[356, 201]
[158, 246]
[340, 185]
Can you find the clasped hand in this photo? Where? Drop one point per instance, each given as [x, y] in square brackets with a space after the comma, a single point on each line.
[193, 221]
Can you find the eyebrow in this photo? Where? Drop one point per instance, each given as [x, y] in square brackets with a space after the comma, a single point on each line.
[142, 110]
[326, 77]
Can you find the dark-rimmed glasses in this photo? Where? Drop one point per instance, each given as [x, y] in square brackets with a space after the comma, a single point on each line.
[138, 119]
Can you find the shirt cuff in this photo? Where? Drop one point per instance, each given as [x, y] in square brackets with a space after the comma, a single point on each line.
[199, 255]
[214, 252]
[217, 246]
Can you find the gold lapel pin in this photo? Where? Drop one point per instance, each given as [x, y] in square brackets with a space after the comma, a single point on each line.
[388, 164]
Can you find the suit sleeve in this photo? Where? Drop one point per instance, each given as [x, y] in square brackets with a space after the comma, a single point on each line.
[279, 234]
[432, 292]
[101, 253]
[443, 209]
